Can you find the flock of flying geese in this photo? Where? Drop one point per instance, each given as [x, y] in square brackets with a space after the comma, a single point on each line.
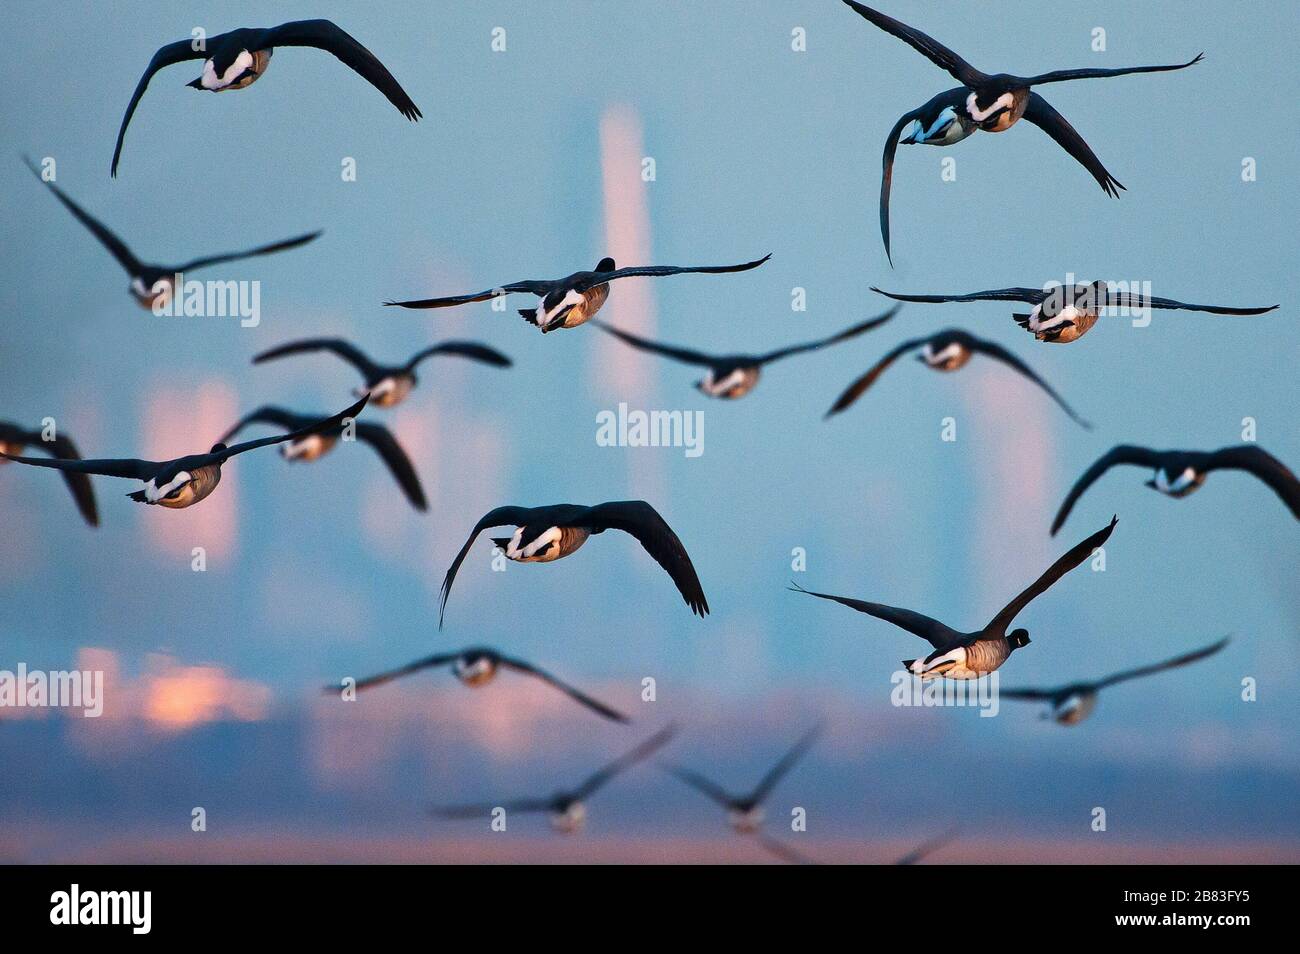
[542, 534]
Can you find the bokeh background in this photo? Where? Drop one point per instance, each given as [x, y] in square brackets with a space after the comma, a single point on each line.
[528, 164]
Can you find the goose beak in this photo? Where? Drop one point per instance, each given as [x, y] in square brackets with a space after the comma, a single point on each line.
[195, 84]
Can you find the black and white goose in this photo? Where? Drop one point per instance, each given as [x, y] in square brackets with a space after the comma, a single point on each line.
[550, 533]
[567, 807]
[735, 375]
[745, 812]
[568, 302]
[959, 655]
[237, 59]
[1062, 313]
[1179, 472]
[477, 666]
[988, 102]
[387, 385]
[14, 439]
[1071, 704]
[319, 443]
[948, 350]
[184, 481]
[152, 283]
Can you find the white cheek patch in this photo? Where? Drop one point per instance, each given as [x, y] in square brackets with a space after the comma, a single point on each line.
[210, 79]
[1006, 100]
[710, 385]
[572, 298]
[514, 552]
[154, 493]
[950, 353]
[1068, 313]
[1184, 479]
[308, 446]
[479, 669]
[379, 391]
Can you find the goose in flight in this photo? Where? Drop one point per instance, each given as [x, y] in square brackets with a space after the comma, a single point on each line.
[571, 301]
[735, 375]
[183, 481]
[1180, 472]
[238, 59]
[959, 655]
[989, 102]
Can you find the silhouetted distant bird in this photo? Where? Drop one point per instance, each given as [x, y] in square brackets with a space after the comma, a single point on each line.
[568, 302]
[149, 282]
[960, 655]
[237, 59]
[1072, 703]
[1179, 472]
[1062, 314]
[387, 385]
[566, 808]
[550, 533]
[745, 812]
[991, 102]
[477, 666]
[14, 438]
[734, 376]
[184, 481]
[316, 445]
[947, 351]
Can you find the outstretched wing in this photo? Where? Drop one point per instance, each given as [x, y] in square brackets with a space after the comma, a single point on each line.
[1006, 357]
[858, 387]
[927, 46]
[1030, 695]
[647, 748]
[325, 35]
[1076, 555]
[1039, 112]
[1060, 76]
[1130, 300]
[1123, 454]
[62, 448]
[177, 52]
[97, 228]
[344, 349]
[538, 288]
[887, 174]
[783, 851]
[463, 349]
[500, 517]
[133, 469]
[576, 694]
[521, 805]
[1174, 663]
[653, 533]
[251, 253]
[926, 848]
[267, 414]
[1029, 295]
[668, 351]
[1263, 465]
[396, 460]
[655, 271]
[860, 328]
[428, 662]
[326, 424]
[701, 784]
[779, 770]
[931, 630]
